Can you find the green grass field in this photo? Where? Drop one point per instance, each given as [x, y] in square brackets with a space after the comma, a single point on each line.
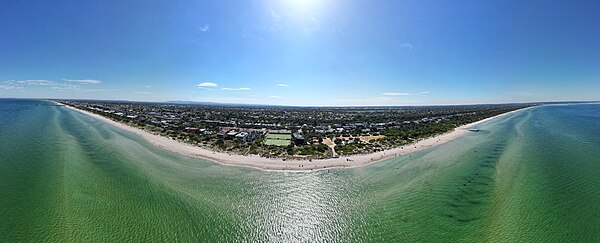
[279, 136]
[276, 142]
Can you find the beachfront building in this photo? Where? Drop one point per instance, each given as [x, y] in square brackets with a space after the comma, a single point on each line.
[231, 134]
[252, 135]
[298, 138]
[241, 136]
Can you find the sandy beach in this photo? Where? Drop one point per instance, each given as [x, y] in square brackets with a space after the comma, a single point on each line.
[256, 161]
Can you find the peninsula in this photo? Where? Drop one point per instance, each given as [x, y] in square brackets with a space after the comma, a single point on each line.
[280, 139]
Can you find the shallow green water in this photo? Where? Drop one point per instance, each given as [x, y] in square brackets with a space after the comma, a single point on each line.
[530, 176]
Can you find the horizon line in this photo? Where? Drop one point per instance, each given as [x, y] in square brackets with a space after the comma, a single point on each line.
[189, 102]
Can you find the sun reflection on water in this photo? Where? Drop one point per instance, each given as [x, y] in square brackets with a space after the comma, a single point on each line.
[297, 206]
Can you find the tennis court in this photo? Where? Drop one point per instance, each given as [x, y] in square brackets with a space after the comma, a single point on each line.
[278, 139]
[278, 142]
[279, 136]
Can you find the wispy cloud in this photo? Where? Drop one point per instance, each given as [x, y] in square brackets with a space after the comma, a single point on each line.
[204, 28]
[83, 81]
[276, 24]
[92, 90]
[148, 86]
[282, 85]
[235, 89]
[275, 17]
[276, 97]
[207, 84]
[143, 92]
[66, 84]
[423, 93]
[77, 85]
[396, 94]
[32, 82]
[10, 87]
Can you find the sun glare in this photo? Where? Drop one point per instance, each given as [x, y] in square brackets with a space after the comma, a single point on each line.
[304, 6]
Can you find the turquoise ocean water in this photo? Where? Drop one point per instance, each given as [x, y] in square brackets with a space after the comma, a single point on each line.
[529, 176]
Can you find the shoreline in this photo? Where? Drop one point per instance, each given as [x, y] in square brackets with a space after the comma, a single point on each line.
[276, 164]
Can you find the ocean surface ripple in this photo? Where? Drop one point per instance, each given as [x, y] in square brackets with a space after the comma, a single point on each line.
[529, 176]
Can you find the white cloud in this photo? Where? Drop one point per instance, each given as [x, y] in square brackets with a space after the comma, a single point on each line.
[423, 93]
[396, 94]
[282, 85]
[204, 28]
[84, 81]
[32, 82]
[235, 89]
[10, 87]
[148, 86]
[73, 85]
[276, 97]
[90, 90]
[207, 84]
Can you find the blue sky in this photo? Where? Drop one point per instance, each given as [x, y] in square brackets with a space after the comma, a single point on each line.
[302, 52]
